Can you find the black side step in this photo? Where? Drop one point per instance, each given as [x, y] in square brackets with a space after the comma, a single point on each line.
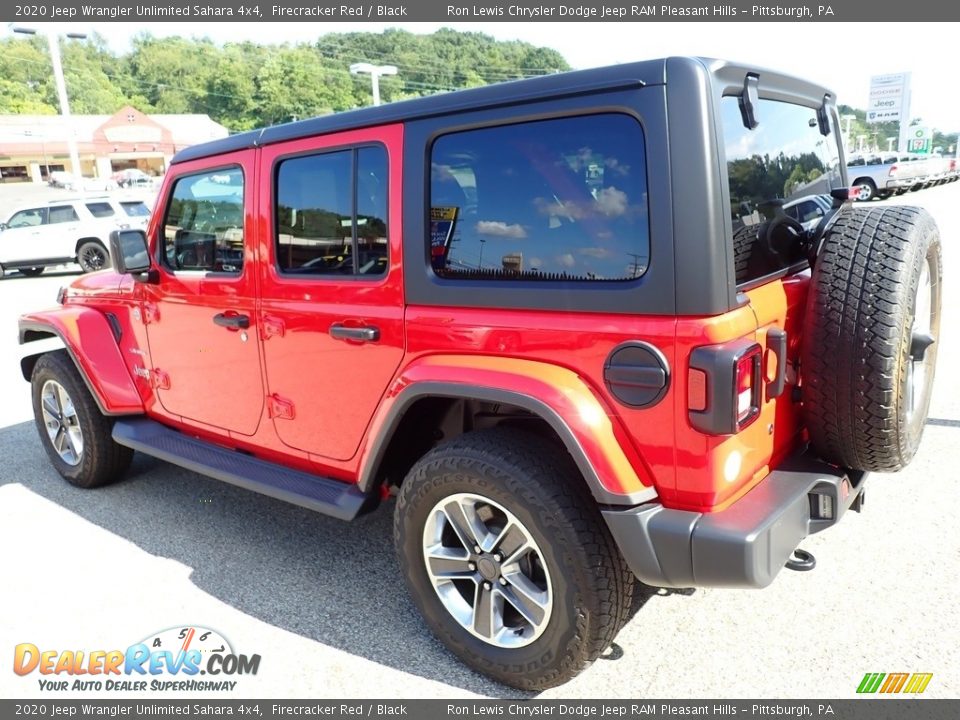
[331, 497]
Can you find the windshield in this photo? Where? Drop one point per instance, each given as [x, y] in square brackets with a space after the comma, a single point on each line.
[781, 163]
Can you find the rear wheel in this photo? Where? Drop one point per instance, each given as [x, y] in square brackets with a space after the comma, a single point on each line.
[866, 189]
[92, 256]
[75, 434]
[508, 559]
[871, 335]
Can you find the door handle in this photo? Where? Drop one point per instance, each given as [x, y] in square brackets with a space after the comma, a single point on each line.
[359, 334]
[234, 322]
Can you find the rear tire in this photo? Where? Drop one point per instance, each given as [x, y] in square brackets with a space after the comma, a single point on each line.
[75, 434]
[871, 334]
[511, 479]
[93, 256]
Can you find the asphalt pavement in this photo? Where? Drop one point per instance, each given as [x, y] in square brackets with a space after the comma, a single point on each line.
[323, 603]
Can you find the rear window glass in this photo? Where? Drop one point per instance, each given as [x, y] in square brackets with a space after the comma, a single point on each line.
[562, 199]
[135, 209]
[782, 163]
[100, 209]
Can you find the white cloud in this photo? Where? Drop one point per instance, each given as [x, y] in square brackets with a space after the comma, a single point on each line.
[567, 260]
[496, 228]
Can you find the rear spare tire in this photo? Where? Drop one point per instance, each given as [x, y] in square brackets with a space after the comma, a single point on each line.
[871, 330]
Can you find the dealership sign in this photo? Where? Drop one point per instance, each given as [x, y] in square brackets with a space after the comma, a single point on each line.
[889, 98]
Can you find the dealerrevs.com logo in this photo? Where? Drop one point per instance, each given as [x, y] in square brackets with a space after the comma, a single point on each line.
[172, 659]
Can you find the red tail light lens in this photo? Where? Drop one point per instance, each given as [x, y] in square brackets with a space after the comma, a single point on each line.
[747, 389]
[893, 170]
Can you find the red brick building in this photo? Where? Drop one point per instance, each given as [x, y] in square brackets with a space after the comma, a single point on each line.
[32, 146]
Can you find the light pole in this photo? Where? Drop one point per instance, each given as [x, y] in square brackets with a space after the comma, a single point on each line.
[61, 90]
[846, 133]
[375, 71]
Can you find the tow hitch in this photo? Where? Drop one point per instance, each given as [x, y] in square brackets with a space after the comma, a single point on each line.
[801, 561]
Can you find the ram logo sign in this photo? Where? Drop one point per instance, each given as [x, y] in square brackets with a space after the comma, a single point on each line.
[914, 683]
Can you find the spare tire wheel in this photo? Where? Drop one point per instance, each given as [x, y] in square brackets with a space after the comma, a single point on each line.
[870, 340]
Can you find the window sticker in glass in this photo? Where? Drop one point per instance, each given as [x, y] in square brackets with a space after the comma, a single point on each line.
[562, 199]
[203, 228]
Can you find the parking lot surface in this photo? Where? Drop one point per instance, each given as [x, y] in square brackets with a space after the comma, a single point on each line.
[322, 602]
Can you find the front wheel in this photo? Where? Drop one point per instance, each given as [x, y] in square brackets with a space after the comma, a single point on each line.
[75, 434]
[508, 559]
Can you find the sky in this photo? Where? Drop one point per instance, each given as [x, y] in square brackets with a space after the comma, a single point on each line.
[840, 56]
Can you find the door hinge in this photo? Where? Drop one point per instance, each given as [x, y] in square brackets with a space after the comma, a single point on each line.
[151, 313]
[280, 408]
[272, 326]
[160, 380]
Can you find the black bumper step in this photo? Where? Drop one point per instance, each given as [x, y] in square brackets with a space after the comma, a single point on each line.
[325, 495]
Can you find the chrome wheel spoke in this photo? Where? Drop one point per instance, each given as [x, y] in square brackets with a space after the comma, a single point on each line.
[483, 612]
[529, 600]
[448, 563]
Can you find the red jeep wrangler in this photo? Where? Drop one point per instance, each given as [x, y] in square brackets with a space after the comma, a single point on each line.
[588, 328]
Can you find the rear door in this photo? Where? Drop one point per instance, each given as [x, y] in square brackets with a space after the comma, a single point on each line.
[331, 284]
[201, 316]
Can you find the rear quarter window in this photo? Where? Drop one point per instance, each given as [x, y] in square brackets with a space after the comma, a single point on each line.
[551, 200]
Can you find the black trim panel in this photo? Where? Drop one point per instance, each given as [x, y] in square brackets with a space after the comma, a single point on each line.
[651, 294]
[407, 397]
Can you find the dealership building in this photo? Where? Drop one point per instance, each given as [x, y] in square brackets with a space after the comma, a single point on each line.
[33, 146]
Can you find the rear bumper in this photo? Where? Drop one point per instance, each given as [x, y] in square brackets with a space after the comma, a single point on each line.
[744, 546]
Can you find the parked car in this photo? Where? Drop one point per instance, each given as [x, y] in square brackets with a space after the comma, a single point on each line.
[90, 184]
[69, 230]
[881, 176]
[59, 178]
[132, 177]
[542, 342]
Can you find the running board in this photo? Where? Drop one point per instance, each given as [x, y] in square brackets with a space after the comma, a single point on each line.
[325, 495]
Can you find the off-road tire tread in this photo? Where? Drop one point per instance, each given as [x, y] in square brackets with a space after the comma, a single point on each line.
[546, 474]
[104, 461]
[856, 333]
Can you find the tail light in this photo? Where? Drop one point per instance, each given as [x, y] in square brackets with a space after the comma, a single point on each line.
[748, 383]
[724, 387]
[893, 170]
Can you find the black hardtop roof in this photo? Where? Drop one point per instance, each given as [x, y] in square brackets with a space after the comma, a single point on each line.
[574, 82]
[649, 72]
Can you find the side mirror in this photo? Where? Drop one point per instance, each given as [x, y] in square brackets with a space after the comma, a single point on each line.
[3, 226]
[130, 255]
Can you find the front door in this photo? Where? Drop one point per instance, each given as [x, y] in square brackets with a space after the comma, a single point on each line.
[201, 316]
[332, 296]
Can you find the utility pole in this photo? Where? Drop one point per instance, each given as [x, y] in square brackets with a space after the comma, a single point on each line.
[375, 71]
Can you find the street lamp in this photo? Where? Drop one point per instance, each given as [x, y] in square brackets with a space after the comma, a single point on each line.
[61, 89]
[846, 133]
[375, 71]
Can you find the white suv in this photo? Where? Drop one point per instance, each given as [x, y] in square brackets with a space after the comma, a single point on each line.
[63, 231]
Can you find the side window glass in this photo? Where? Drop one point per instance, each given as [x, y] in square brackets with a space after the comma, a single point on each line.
[562, 199]
[331, 212]
[203, 227]
[63, 214]
[100, 209]
[28, 218]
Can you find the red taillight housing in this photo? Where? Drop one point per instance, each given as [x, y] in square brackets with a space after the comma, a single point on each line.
[747, 385]
[893, 171]
[724, 386]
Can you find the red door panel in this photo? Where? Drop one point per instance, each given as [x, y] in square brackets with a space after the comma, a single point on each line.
[333, 342]
[206, 364]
